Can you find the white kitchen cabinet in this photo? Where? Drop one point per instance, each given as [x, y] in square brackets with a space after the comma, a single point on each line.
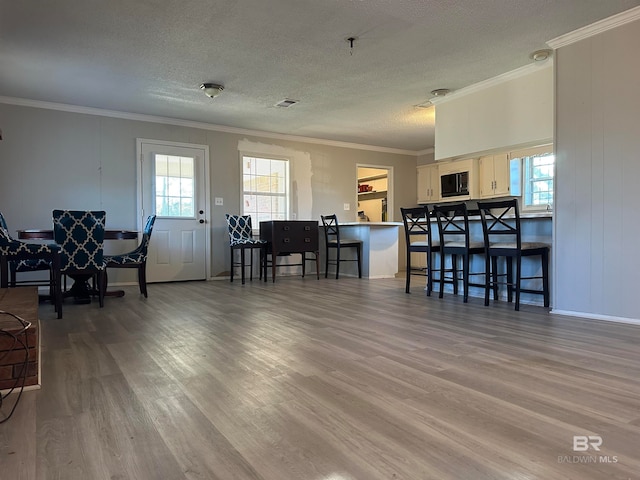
[494, 176]
[428, 183]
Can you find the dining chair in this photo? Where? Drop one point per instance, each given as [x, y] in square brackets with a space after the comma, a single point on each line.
[503, 238]
[333, 241]
[241, 238]
[455, 241]
[80, 235]
[136, 258]
[27, 265]
[14, 252]
[418, 239]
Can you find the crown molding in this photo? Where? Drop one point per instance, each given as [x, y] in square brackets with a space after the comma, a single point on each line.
[595, 28]
[23, 102]
[426, 151]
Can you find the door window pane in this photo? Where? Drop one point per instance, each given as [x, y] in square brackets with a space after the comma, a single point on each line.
[174, 186]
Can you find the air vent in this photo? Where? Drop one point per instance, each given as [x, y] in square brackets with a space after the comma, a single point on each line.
[286, 103]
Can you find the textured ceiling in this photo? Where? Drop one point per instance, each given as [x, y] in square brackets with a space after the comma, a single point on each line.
[150, 56]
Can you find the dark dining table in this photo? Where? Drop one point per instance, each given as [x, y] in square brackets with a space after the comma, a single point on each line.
[81, 290]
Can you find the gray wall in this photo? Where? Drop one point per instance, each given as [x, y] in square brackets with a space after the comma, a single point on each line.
[56, 159]
[598, 173]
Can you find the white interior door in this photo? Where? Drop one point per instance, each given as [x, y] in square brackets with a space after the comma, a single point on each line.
[172, 183]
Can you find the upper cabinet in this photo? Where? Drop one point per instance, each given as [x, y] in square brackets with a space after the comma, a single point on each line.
[428, 183]
[494, 175]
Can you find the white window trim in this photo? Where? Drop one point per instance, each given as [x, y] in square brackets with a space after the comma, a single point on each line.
[270, 156]
[532, 152]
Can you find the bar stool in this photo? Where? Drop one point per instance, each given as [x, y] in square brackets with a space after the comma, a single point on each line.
[334, 242]
[418, 238]
[503, 238]
[453, 226]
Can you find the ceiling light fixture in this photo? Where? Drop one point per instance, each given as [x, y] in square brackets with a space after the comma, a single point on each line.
[440, 92]
[541, 55]
[211, 90]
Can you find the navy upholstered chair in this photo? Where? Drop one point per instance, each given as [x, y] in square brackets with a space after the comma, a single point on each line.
[14, 252]
[241, 238]
[80, 235]
[27, 265]
[137, 258]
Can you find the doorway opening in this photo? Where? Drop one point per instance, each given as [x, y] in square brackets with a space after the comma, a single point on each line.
[375, 185]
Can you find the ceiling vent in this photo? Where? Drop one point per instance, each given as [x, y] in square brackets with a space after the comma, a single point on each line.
[286, 103]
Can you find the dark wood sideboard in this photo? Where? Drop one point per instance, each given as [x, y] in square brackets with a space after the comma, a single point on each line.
[290, 236]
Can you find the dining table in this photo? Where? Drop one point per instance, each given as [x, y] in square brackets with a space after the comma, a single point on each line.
[81, 291]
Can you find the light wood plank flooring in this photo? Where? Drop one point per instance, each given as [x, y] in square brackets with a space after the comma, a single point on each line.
[324, 380]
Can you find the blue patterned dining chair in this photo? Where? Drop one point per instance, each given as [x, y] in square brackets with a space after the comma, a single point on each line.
[27, 265]
[14, 252]
[241, 238]
[136, 258]
[80, 235]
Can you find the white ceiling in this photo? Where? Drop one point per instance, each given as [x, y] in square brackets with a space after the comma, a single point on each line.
[150, 56]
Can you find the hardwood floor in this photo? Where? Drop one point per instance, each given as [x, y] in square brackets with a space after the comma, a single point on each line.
[330, 379]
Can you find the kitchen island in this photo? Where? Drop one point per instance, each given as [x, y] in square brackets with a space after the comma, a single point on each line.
[379, 248]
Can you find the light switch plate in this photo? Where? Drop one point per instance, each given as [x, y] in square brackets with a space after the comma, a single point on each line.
[347, 206]
[219, 201]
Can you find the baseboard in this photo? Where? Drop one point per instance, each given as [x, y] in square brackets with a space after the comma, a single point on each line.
[596, 316]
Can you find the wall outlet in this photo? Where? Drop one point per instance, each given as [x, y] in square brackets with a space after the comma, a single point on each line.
[294, 216]
[219, 201]
[347, 206]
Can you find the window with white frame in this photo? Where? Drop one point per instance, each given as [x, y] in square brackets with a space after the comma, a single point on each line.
[538, 166]
[174, 186]
[265, 188]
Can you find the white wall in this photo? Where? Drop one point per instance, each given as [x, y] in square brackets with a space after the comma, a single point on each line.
[515, 112]
[598, 173]
[56, 159]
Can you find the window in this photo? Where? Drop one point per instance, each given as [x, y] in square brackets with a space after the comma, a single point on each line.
[265, 189]
[174, 185]
[538, 165]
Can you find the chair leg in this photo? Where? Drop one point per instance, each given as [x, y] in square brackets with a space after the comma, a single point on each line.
[304, 261]
[407, 283]
[337, 262]
[518, 279]
[454, 270]
[57, 281]
[487, 278]
[465, 277]
[359, 249]
[142, 278]
[545, 277]
[326, 263]
[231, 275]
[494, 267]
[242, 265]
[429, 273]
[102, 280]
[509, 279]
[442, 262]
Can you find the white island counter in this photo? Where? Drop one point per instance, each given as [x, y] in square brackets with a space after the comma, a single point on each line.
[379, 249]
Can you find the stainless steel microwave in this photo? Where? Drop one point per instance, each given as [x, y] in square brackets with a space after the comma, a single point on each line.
[454, 184]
